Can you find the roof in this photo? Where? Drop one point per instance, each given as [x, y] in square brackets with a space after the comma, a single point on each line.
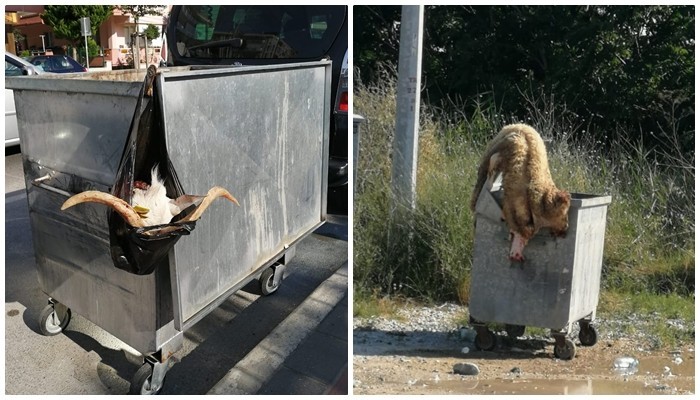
[30, 20]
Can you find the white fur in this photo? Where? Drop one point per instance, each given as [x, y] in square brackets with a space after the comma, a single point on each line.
[162, 209]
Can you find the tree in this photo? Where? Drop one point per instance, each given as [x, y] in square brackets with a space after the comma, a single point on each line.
[139, 11]
[65, 20]
[151, 32]
[377, 34]
[621, 68]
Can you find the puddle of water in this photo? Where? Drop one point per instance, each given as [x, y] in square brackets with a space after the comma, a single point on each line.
[656, 366]
[550, 386]
[652, 377]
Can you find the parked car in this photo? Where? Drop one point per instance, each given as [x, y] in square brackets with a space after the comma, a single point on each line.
[59, 63]
[15, 66]
[260, 35]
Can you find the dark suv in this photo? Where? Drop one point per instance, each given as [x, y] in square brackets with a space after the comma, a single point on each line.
[255, 35]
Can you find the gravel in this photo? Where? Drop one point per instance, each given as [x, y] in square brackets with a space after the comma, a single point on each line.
[443, 325]
[410, 319]
[441, 328]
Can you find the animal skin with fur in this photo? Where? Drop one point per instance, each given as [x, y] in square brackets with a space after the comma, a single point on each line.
[531, 200]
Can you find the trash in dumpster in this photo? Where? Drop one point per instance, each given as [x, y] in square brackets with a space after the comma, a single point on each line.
[147, 219]
[531, 200]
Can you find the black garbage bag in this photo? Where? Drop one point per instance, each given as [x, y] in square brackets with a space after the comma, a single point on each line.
[139, 249]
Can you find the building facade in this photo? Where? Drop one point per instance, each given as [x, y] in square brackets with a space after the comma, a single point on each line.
[26, 32]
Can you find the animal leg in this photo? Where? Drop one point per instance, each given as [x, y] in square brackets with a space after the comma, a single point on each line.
[516, 247]
[517, 214]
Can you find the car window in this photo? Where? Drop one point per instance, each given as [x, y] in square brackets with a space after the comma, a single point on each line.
[12, 70]
[53, 64]
[41, 62]
[257, 31]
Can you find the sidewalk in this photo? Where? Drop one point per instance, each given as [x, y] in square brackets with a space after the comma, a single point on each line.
[305, 354]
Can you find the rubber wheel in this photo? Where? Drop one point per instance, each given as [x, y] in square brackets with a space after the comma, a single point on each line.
[141, 382]
[515, 331]
[565, 352]
[485, 341]
[267, 282]
[587, 334]
[54, 318]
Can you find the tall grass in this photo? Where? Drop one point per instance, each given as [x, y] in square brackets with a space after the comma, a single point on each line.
[650, 234]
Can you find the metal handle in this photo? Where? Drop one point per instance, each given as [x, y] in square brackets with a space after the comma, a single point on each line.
[38, 182]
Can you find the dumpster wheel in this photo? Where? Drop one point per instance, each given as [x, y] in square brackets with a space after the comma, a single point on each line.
[485, 339]
[267, 282]
[587, 333]
[564, 349]
[54, 318]
[141, 382]
[515, 331]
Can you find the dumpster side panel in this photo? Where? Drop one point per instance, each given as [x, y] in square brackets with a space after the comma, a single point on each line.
[262, 135]
[534, 293]
[590, 237]
[76, 133]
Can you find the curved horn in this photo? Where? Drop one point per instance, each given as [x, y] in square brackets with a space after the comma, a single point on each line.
[120, 206]
[214, 193]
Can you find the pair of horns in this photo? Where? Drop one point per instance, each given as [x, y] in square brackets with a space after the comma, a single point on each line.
[126, 211]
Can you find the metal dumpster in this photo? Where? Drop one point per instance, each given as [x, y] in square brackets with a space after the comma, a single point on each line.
[260, 131]
[557, 284]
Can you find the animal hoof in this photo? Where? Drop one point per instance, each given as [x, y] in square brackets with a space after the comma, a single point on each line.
[517, 258]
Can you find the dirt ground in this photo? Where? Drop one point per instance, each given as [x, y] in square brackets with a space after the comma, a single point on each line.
[389, 361]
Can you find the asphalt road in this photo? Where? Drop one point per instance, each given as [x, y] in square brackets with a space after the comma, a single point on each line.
[217, 351]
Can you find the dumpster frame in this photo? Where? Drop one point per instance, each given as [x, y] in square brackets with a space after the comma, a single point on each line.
[50, 179]
[548, 290]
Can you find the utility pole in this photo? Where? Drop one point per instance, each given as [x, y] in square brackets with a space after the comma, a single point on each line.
[405, 146]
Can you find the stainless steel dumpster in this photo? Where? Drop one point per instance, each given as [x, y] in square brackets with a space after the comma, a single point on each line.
[259, 131]
[557, 284]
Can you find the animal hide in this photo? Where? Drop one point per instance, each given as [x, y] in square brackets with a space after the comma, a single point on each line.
[531, 200]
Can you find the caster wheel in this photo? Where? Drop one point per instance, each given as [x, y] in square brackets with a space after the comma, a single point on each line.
[485, 340]
[53, 319]
[141, 382]
[567, 351]
[267, 282]
[515, 331]
[587, 334]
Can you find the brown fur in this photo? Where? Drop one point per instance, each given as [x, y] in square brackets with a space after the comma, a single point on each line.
[531, 200]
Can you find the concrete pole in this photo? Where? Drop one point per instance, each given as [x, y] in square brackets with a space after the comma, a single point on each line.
[405, 146]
